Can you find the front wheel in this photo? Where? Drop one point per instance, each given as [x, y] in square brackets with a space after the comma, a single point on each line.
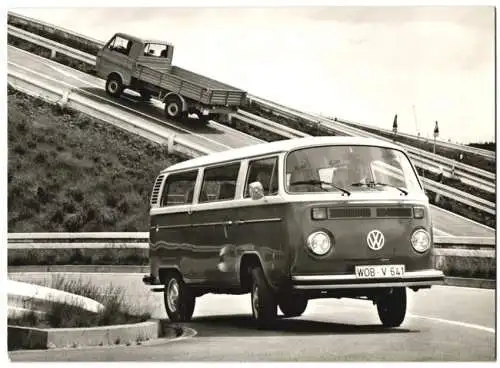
[114, 85]
[264, 306]
[392, 307]
[179, 300]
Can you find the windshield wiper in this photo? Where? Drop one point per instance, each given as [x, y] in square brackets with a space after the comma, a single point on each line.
[374, 183]
[313, 182]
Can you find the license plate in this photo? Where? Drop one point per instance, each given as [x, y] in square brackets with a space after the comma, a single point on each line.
[379, 271]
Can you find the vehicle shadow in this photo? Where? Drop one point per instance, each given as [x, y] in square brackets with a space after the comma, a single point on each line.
[134, 102]
[238, 325]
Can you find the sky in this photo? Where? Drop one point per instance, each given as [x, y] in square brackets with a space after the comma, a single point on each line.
[363, 64]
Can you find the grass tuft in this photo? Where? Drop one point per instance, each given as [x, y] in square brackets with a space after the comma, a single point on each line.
[59, 315]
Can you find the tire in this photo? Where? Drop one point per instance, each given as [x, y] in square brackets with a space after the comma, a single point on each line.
[293, 306]
[114, 85]
[179, 300]
[264, 306]
[173, 108]
[392, 307]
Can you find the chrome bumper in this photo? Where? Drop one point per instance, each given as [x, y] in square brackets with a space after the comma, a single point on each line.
[322, 282]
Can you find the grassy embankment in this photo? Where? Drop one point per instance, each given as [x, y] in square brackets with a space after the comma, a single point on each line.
[69, 172]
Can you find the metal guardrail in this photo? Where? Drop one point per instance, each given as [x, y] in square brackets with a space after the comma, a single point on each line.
[54, 46]
[439, 143]
[460, 168]
[70, 98]
[291, 113]
[110, 237]
[276, 128]
[47, 27]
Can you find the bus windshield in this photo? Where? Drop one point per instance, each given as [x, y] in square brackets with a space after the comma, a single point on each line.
[349, 168]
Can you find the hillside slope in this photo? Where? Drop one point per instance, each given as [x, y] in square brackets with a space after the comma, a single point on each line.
[69, 172]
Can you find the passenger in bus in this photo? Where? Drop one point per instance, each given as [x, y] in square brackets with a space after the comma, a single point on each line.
[264, 178]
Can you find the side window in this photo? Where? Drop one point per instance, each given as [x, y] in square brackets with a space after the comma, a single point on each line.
[121, 45]
[219, 183]
[179, 189]
[265, 171]
[156, 50]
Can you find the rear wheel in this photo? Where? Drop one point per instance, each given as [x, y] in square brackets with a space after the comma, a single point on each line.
[293, 306]
[173, 107]
[114, 85]
[264, 306]
[392, 307]
[179, 300]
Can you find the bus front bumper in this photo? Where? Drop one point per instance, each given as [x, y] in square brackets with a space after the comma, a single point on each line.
[423, 278]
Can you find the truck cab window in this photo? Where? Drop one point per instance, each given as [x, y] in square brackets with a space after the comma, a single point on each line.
[121, 45]
[266, 172]
[155, 50]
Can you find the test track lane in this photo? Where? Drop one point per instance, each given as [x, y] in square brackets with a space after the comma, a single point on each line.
[443, 323]
[216, 134]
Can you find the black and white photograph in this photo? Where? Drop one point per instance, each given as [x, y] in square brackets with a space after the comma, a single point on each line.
[250, 181]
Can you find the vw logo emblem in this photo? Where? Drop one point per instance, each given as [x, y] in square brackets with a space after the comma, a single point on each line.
[375, 239]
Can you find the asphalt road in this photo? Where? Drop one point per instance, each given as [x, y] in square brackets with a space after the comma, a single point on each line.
[214, 136]
[443, 324]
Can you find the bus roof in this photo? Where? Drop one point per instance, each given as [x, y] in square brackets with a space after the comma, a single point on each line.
[276, 147]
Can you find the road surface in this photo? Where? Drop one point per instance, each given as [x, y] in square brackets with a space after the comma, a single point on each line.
[443, 324]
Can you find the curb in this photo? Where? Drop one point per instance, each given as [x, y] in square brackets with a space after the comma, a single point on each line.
[28, 338]
[449, 280]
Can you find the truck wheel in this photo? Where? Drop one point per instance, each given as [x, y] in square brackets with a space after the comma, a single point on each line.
[293, 306]
[173, 108]
[114, 86]
[179, 300]
[392, 307]
[264, 307]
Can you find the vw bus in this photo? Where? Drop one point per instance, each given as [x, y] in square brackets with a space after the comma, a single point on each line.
[290, 221]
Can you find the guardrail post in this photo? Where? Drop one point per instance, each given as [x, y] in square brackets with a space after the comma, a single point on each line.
[64, 99]
[170, 143]
[53, 54]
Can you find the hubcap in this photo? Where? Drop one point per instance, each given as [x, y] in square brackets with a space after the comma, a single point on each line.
[113, 86]
[255, 301]
[172, 294]
[172, 109]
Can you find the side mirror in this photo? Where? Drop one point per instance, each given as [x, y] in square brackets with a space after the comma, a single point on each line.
[256, 190]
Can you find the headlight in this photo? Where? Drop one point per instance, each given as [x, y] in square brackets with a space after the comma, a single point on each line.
[319, 243]
[420, 240]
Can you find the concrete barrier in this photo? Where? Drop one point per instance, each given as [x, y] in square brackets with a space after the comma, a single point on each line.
[132, 334]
